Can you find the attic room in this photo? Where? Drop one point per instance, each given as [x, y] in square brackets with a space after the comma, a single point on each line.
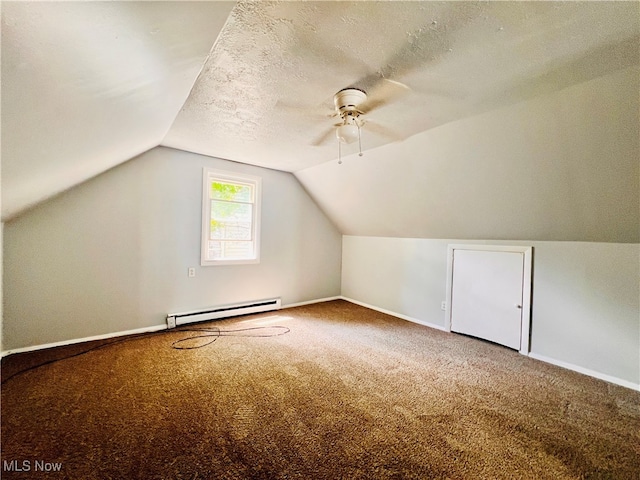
[378, 143]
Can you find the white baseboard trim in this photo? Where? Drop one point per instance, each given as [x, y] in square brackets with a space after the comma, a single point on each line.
[542, 358]
[310, 302]
[586, 371]
[394, 314]
[155, 328]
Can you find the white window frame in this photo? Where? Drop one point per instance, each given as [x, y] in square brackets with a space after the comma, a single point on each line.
[209, 174]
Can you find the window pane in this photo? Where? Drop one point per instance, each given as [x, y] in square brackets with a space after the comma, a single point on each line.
[231, 211]
[231, 221]
[231, 191]
[230, 218]
[222, 250]
[214, 251]
[230, 230]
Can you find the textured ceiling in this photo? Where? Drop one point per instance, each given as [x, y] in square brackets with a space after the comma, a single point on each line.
[89, 85]
[265, 95]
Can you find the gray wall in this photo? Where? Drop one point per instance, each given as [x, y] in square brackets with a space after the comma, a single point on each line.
[112, 254]
[585, 305]
[560, 172]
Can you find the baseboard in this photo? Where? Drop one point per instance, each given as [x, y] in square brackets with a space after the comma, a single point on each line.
[569, 366]
[395, 314]
[542, 358]
[155, 328]
[586, 371]
[310, 302]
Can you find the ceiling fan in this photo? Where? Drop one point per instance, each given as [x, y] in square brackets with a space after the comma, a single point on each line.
[351, 104]
[346, 102]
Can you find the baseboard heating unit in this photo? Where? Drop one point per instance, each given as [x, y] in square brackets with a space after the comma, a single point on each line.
[223, 311]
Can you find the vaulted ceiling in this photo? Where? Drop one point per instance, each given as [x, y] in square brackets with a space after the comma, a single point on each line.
[89, 85]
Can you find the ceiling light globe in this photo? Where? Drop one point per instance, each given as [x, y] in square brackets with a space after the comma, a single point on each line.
[347, 133]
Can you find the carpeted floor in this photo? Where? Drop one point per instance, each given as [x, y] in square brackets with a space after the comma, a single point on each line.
[342, 392]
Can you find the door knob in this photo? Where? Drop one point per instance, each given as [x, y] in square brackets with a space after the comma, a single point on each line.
[518, 306]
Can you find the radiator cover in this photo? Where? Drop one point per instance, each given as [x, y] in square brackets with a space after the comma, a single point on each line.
[223, 311]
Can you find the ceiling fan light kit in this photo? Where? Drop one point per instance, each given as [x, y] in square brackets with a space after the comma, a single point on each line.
[349, 131]
[351, 103]
[346, 102]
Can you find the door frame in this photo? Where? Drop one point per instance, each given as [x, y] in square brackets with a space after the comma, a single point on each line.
[527, 251]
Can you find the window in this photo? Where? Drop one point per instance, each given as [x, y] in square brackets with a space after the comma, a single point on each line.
[230, 218]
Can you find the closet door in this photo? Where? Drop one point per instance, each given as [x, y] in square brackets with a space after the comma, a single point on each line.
[487, 291]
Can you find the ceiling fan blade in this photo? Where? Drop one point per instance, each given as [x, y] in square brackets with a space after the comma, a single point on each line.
[383, 131]
[386, 91]
[424, 45]
[324, 138]
[313, 112]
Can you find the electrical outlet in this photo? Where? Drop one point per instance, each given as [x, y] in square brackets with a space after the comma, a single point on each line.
[192, 272]
[171, 322]
[443, 306]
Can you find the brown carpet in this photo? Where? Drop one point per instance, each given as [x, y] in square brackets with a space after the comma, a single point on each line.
[347, 393]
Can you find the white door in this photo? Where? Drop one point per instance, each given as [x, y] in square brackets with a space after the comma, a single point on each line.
[487, 295]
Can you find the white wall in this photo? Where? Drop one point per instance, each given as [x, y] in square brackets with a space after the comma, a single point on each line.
[585, 305]
[112, 254]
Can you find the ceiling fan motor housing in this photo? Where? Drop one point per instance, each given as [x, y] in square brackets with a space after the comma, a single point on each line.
[348, 99]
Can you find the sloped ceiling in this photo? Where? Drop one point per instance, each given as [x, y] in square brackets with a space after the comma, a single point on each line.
[564, 166]
[88, 85]
[265, 96]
